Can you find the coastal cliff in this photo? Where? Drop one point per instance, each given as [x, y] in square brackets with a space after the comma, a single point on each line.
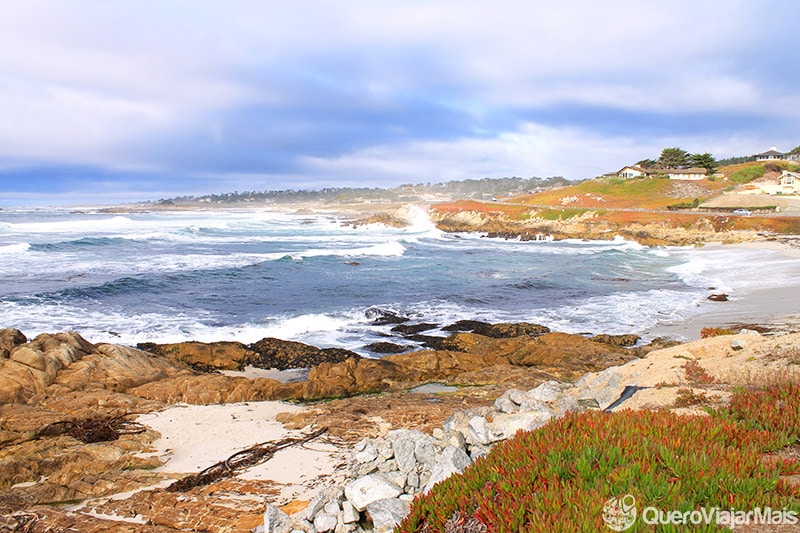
[658, 231]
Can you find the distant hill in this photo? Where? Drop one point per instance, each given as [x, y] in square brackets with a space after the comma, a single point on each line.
[464, 189]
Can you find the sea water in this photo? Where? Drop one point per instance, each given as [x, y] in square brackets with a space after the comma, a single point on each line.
[247, 274]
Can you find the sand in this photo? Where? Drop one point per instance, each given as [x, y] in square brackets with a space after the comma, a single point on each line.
[194, 437]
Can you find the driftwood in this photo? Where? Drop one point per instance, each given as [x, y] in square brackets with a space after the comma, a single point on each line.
[240, 460]
[89, 430]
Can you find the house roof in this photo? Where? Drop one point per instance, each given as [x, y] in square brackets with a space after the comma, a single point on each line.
[693, 170]
[634, 167]
[770, 152]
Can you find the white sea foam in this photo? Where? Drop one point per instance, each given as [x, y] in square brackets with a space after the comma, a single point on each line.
[387, 249]
[17, 248]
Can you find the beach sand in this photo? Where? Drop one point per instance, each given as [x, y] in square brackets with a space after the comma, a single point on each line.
[194, 437]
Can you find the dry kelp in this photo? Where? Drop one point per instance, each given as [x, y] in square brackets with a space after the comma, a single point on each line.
[238, 461]
[89, 430]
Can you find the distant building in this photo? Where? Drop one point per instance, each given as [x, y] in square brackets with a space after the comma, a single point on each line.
[787, 183]
[770, 155]
[633, 171]
[793, 157]
[693, 174]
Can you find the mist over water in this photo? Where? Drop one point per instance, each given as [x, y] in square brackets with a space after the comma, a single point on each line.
[244, 275]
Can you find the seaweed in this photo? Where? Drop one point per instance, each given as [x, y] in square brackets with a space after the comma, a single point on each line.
[240, 460]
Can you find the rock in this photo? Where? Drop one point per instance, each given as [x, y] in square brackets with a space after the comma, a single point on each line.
[275, 520]
[480, 432]
[10, 339]
[386, 347]
[365, 451]
[452, 461]
[349, 513]
[383, 317]
[498, 331]
[617, 340]
[549, 391]
[738, 344]
[387, 513]
[567, 355]
[505, 405]
[467, 325]
[605, 387]
[325, 522]
[505, 426]
[718, 297]
[404, 455]
[277, 353]
[588, 404]
[411, 329]
[201, 356]
[519, 329]
[371, 488]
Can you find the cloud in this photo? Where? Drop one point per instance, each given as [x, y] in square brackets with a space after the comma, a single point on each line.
[305, 91]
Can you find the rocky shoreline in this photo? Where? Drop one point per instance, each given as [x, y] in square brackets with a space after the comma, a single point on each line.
[489, 381]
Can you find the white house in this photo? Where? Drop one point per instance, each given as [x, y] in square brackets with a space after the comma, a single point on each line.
[633, 171]
[770, 155]
[694, 174]
[787, 183]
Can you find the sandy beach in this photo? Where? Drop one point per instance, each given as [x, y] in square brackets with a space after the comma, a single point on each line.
[194, 437]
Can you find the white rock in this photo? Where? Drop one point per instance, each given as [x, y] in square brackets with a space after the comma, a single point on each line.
[275, 520]
[404, 455]
[325, 522]
[349, 513]
[480, 431]
[504, 405]
[453, 461]
[507, 425]
[366, 490]
[387, 513]
[367, 452]
[515, 395]
[548, 391]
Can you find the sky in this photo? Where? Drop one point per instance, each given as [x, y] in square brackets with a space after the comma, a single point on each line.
[105, 102]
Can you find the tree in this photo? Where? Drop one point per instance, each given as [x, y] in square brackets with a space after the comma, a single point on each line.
[705, 161]
[647, 163]
[673, 158]
[795, 150]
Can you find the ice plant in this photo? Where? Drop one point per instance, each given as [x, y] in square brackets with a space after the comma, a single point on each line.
[558, 477]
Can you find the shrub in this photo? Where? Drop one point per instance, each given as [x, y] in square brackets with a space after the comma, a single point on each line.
[747, 174]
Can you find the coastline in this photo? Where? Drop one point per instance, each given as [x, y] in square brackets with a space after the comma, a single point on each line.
[769, 310]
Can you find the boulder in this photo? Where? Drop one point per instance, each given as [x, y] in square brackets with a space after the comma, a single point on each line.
[412, 329]
[387, 513]
[362, 492]
[10, 339]
[498, 331]
[617, 340]
[452, 461]
[203, 356]
[283, 355]
[386, 347]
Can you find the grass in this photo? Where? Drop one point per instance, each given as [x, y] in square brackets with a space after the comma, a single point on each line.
[559, 477]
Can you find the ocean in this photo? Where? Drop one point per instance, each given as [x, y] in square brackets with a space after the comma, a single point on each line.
[247, 274]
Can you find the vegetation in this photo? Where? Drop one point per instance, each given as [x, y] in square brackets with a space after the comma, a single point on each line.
[747, 174]
[673, 158]
[558, 477]
[470, 188]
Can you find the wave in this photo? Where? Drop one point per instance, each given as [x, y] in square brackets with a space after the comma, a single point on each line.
[387, 249]
[17, 248]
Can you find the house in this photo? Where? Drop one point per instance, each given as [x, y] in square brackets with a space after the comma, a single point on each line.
[787, 183]
[695, 173]
[770, 155]
[793, 157]
[633, 171]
